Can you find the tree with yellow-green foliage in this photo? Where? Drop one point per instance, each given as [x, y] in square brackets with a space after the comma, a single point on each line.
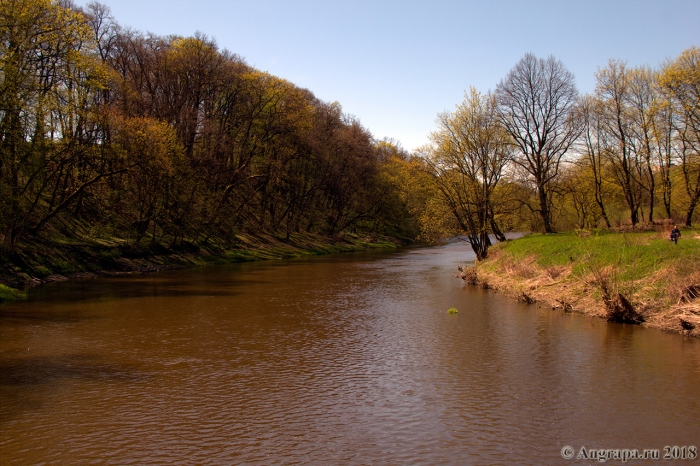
[680, 79]
[467, 158]
[428, 217]
[48, 126]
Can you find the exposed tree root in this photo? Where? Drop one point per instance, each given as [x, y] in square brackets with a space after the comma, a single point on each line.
[524, 297]
[621, 311]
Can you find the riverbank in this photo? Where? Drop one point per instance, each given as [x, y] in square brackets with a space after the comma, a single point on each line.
[60, 259]
[631, 277]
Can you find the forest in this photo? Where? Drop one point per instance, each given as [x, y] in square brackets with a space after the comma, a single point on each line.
[106, 131]
[146, 141]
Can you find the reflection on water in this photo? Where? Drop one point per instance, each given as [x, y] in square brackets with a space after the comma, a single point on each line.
[342, 359]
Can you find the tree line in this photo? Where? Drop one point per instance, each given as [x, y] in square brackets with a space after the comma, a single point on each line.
[536, 155]
[109, 132]
[106, 132]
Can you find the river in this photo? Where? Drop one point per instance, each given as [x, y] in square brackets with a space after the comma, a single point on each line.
[343, 359]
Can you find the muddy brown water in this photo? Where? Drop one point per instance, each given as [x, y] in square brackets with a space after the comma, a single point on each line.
[345, 359]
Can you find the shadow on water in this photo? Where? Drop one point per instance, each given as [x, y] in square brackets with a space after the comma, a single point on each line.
[25, 381]
[209, 280]
[70, 302]
[36, 370]
[11, 314]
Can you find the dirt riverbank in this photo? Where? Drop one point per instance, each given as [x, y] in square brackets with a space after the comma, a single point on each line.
[636, 278]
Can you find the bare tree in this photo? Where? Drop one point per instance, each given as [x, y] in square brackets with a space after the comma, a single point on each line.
[104, 28]
[623, 147]
[535, 101]
[594, 142]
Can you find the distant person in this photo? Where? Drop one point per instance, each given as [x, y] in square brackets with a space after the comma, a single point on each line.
[675, 234]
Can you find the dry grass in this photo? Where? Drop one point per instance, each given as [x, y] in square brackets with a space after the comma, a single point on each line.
[684, 306]
[665, 295]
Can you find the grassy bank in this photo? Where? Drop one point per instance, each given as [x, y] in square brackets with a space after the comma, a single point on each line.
[59, 259]
[634, 277]
[9, 294]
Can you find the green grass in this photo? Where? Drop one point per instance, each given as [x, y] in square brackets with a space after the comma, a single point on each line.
[635, 255]
[8, 294]
[583, 271]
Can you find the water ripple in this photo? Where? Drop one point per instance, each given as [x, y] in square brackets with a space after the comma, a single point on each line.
[340, 360]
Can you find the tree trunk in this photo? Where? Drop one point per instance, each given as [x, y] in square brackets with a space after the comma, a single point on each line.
[603, 213]
[544, 210]
[8, 245]
[497, 231]
[689, 215]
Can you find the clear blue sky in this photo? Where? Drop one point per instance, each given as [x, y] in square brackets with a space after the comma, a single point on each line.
[396, 64]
